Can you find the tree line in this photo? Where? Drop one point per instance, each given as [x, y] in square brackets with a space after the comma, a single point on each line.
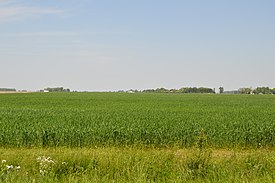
[258, 90]
[181, 90]
[8, 89]
[57, 89]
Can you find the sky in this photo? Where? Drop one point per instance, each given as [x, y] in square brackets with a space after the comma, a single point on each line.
[107, 45]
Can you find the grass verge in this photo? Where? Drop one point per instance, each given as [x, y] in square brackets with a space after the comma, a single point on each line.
[136, 165]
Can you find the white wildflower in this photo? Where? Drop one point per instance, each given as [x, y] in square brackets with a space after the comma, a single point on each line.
[4, 161]
[17, 167]
[45, 164]
[9, 167]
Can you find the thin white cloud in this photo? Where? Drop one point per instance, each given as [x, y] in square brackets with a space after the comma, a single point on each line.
[18, 12]
[46, 34]
[66, 33]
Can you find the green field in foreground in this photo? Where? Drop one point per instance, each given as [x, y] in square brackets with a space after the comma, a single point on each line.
[117, 164]
[140, 119]
[141, 137]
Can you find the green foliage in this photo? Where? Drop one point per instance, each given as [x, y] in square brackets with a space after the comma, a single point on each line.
[245, 90]
[7, 169]
[141, 119]
[199, 165]
[221, 89]
[136, 165]
[181, 90]
[57, 89]
[196, 90]
[262, 90]
[8, 89]
[158, 90]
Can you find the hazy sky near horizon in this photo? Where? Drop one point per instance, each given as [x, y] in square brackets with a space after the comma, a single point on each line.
[104, 45]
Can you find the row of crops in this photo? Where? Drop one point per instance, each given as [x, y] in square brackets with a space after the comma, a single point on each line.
[121, 119]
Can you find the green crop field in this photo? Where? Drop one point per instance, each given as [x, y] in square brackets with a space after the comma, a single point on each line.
[140, 137]
[119, 119]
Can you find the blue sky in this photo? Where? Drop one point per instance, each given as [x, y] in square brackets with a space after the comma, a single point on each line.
[104, 45]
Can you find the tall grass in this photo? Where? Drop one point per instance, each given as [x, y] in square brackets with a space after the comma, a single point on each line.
[135, 165]
[121, 119]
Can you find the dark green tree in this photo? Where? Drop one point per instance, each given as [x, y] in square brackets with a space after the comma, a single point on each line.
[221, 89]
[262, 90]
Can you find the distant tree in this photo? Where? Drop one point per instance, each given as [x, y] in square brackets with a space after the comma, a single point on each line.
[262, 90]
[7, 89]
[196, 90]
[245, 90]
[162, 90]
[133, 91]
[173, 90]
[57, 89]
[221, 89]
[149, 91]
[181, 90]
